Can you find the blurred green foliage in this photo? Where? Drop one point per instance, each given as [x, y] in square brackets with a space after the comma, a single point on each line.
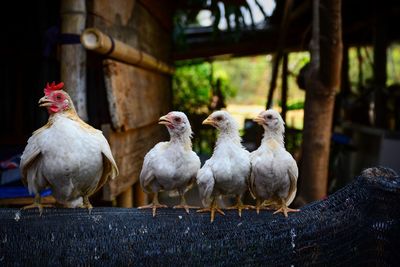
[193, 86]
[244, 81]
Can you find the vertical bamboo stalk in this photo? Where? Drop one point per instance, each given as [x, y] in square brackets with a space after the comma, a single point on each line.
[73, 56]
[125, 199]
[141, 198]
[284, 85]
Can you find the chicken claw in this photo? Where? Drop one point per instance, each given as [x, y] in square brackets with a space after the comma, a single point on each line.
[37, 204]
[214, 207]
[285, 209]
[154, 205]
[239, 206]
[184, 205]
[86, 204]
[259, 206]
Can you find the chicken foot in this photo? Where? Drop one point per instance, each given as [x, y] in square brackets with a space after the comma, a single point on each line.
[239, 206]
[86, 204]
[213, 207]
[184, 205]
[154, 205]
[37, 204]
[283, 208]
[259, 206]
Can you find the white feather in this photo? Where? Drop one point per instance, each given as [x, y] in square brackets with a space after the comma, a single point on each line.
[68, 158]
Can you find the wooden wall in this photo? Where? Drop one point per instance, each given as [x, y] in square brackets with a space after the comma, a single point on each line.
[135, 97]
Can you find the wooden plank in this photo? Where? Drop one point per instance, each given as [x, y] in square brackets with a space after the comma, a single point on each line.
[129, 149]
[131, 23]
[136, 97]
[25, 201]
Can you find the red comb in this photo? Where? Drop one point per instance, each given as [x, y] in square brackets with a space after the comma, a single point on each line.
[53, 87]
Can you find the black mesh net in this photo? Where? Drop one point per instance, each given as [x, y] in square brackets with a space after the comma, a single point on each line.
[357, 226]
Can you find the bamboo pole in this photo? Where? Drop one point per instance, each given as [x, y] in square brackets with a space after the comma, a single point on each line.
[73, 56]
[141, 197]
[93, 39]
[125, 199]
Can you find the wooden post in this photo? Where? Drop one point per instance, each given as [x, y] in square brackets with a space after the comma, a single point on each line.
[280, 47]
[321, 85]
[345, 81]
[284, 85]
[125, 199]
[73, 56]
[379, 67]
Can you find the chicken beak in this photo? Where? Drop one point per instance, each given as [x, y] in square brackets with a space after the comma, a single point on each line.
[164, 120]
[259, 119]
[45, 102]
[208, 121]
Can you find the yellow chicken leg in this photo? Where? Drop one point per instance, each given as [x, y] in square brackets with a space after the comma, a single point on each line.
[283, 208]
[37, 204]
[239, 206]
[213, 207]
[184, 205]
[86, 204]
[154, 205]
[259, 206]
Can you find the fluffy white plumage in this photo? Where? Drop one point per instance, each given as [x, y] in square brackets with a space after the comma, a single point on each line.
[228, 169]
[172, 165]
[274, 171]
[68, 155]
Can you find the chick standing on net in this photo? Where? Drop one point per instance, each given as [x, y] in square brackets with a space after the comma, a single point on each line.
[274, 171]
[66, 154]
[228, 169]
[171, 166]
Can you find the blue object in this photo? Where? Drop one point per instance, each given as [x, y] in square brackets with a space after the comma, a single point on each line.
[341, 139]
[19, 191]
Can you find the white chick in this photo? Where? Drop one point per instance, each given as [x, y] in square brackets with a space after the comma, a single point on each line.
[274, 171]
[228, 169]
[171, 166]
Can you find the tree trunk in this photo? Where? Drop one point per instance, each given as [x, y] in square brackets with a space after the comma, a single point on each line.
[321, 86]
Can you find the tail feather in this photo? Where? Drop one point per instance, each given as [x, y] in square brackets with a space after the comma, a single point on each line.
[205, 182]
[292, 189]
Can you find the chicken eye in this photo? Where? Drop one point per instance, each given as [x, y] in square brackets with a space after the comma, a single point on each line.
[58, 97]
[177, 119]
[269, 117]
[219, 118]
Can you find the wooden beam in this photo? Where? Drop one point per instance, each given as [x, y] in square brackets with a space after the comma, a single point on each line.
[73, 56]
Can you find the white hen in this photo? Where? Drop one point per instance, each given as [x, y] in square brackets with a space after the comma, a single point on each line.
[66, 154]
[274, 171]
[171, 166]
[228, 169]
